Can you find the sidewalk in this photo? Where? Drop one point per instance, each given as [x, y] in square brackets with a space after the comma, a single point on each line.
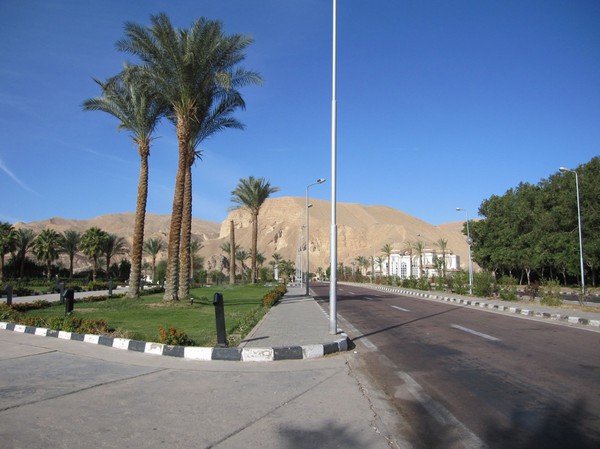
[295, 328]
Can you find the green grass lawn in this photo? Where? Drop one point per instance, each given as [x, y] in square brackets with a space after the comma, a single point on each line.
[141, 319]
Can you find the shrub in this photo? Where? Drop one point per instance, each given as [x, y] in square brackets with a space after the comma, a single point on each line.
[68, 324]
[551, 294]
[459, 282]
[8, 313]
[35, 305]
[272, 296]
[172, 336]
[508, 288]
[423, 283]
[483, 284]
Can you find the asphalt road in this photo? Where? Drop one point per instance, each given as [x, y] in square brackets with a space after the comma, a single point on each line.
[466, 378]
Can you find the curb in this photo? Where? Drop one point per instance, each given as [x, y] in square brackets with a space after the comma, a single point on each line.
[192, 352]
[496, 307]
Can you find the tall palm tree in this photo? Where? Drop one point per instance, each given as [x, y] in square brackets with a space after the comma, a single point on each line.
[113, 246]
[408, 249]
[419, 248]
[195, 72]
[8, 239]
[70, 245]
[46, 247]
[379, 261]
[23, 243]
[250, 194]
[92, 244]
[442, 244]
[129, 98]
[152, 247]
[387, 251]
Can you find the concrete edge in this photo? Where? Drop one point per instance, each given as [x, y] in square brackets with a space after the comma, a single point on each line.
[236, 354]
[495, 307]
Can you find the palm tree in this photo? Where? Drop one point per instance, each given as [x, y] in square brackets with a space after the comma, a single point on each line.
[92, 244]
[24, 241]
[129, 98]
[419, 248]
[242, 255]
[152, 247]
[70, 245]
[276, 261]
[250, 194]
[8, 239]
[387, 251]
[113, 246]
[46, 248]
[196, 73]
[379, 261]
[408, 249]
[442, 244]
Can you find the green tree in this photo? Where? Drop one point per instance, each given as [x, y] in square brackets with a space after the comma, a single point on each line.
[242, 255]
[92, 245]
[442, 244]
[113, 246]
[387, 251]
[250, 194]
[46, 247]
[419, 248]
[23, 243]
[8, 240]
[129, 98]
[196, 72]
[70, 242]
[152, 247]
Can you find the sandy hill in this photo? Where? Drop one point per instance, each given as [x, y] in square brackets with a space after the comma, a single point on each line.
[362, 231]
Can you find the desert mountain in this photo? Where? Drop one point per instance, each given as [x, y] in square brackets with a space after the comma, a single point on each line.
[361, 230]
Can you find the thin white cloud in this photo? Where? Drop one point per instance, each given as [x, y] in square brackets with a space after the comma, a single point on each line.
[14, 177]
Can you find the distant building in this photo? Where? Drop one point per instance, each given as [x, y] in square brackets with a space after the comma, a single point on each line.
[428, 265]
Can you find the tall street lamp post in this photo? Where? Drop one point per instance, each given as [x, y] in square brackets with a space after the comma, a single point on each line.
[469, 242]
[319, 181]
[563, 169]
[333, 243]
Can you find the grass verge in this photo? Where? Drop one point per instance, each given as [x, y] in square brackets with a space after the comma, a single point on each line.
[142, 319]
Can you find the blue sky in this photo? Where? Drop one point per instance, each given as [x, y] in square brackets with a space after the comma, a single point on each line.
[441, 104]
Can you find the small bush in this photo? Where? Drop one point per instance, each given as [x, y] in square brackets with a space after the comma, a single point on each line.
[35, 305]
[172, 336]
[271, 298]
[459, 282]
[483, 284]
[423, 284]
[67, 324]
[8, 313]
[508, 288]
[551, 294]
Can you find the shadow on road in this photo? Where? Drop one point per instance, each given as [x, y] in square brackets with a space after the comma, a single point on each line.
[558, 429]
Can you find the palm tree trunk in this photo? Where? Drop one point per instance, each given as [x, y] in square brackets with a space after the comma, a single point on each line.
[176, 214]
[254, 245]
[186, 235]
[138, 227]
[232, 253]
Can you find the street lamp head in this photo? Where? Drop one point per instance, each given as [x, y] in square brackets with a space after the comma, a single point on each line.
[320, 180]
[563, 169]
[459, 208]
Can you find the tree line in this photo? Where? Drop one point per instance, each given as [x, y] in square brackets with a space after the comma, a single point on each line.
[531, 232]
[49, 244]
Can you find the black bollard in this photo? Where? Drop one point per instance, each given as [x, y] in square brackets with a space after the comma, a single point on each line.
[69, 301]
[220, 317]
[9, 294]
[110, 287]
[61, 286]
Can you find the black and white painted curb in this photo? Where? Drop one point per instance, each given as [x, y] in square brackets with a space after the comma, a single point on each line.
[192, 352]
[495, 307]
